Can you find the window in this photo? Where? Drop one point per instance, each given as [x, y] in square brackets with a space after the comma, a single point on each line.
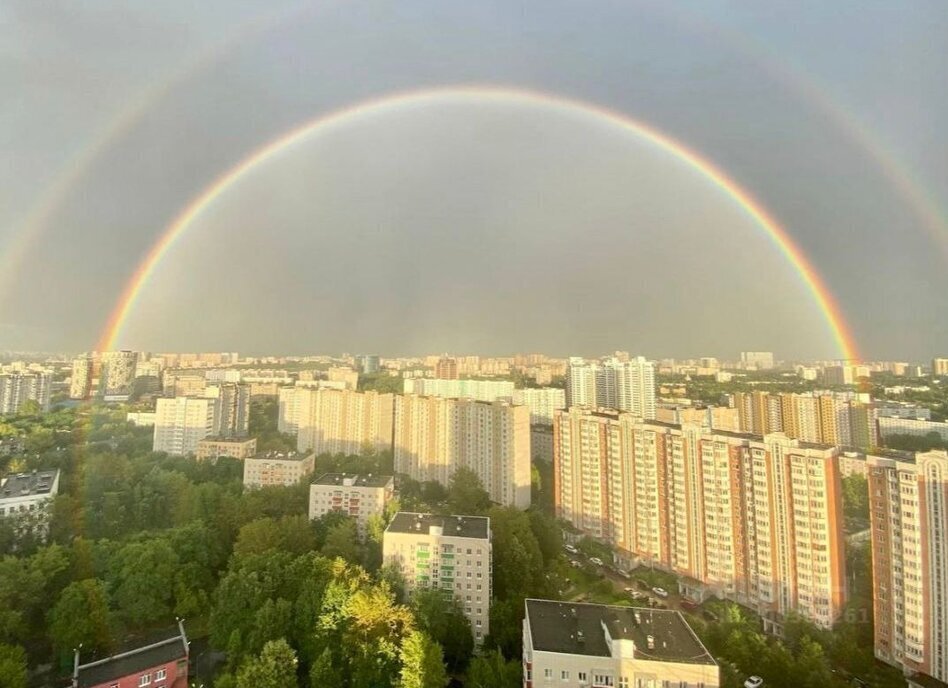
[564, 675]
[160, 674]
[582, 676]
[547, 673]
[144, 680]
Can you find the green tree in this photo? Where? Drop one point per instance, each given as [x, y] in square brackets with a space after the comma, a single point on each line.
[342, 540]
[274, 667]
[422, 665]
[466, 494]
[81, 616]
[856, 497]
[491, 670]
[442, 618]
[292, 534]
[143, 578]
[322, 672]
[12, 666]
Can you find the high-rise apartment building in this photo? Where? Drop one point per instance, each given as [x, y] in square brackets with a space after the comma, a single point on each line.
[940, 366]
[117, 375]
[357, 496]
[341, 421]
[613, 384]
[436, 436]
[18, 388]
[369, 364]
[837, 418]
[578, 644]
[233, 408]
[481, 390]
[182, 422]
[288, 410]
[757, 360]
[449, 553]
[757, 520]
[80, 384]
[908, 500]
[581, 383]
[446, 368]
[542, 402]
[347, 376]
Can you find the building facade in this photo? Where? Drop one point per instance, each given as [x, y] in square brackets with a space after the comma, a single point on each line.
[613, 384]
[756, 520]
[358, 496]
[481, 390]
[25, 498]
[233, 408]
[18, 388]
[80, 382]
[542, 402]
[163, 664]
[908, 500]
[334, 421]
[234, 447]
[117, 375]
[939, 366]
[278, 469]
[450, 553]
[182, 422]
[574, 645]
[436, 436]
[446, 368]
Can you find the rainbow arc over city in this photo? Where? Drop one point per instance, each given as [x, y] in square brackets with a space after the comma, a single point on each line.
[473, 95]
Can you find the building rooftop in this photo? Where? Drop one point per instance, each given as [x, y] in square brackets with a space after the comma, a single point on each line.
[282, 456]
[229, 440]
[133, 661]
[24, 484]
[580, 629]
[349, 479]
[455, 526]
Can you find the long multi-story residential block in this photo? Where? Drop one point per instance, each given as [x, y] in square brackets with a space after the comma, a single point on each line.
[757, 360]
[182, 422]
[80, 384]
[28, 494]
[481, 390]
[341, 421]
[449, 553]
[841, 419]
[908, 501]
[542, 402]
[757, 520]
[358, 496]
[911, 426]
[274, 469]
[572, 644]
[18, 388]
[436, 436]
[613, 384]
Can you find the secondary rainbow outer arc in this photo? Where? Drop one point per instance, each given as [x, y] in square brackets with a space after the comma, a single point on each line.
[480, 94]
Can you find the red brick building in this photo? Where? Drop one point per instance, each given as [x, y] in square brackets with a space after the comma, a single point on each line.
[162, 664]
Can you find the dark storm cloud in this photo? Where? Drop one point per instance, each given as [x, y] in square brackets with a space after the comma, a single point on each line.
[712, 94]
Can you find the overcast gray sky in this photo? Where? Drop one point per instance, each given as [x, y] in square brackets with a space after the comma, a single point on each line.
[488, 228]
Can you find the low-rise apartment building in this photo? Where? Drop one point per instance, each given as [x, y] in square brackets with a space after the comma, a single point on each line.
[358, 496]
[576, 645]
[278, 468]
[162, 664]
[234, 447]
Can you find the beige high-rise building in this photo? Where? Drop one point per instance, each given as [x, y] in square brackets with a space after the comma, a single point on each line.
[758, 520]
[446, 368]
[288, 414]
[436, 436]
[482, 390]
[940, 366]
[181, 423]
[347, 376]
[80, 384]
[18, 388]
[341, 421]
[908, 499]
[449, 553]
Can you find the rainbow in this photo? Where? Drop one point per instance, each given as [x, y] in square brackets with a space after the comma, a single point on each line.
[474, 95]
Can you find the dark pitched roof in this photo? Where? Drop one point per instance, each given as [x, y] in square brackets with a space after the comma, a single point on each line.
[454, 526]
[576, 628]
[132, 662]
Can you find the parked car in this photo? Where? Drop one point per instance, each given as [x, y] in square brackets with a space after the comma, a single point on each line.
[661, 592]
[575, 564]
[754, 682]
[690, 606]
[596, 560]
[570, 549]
